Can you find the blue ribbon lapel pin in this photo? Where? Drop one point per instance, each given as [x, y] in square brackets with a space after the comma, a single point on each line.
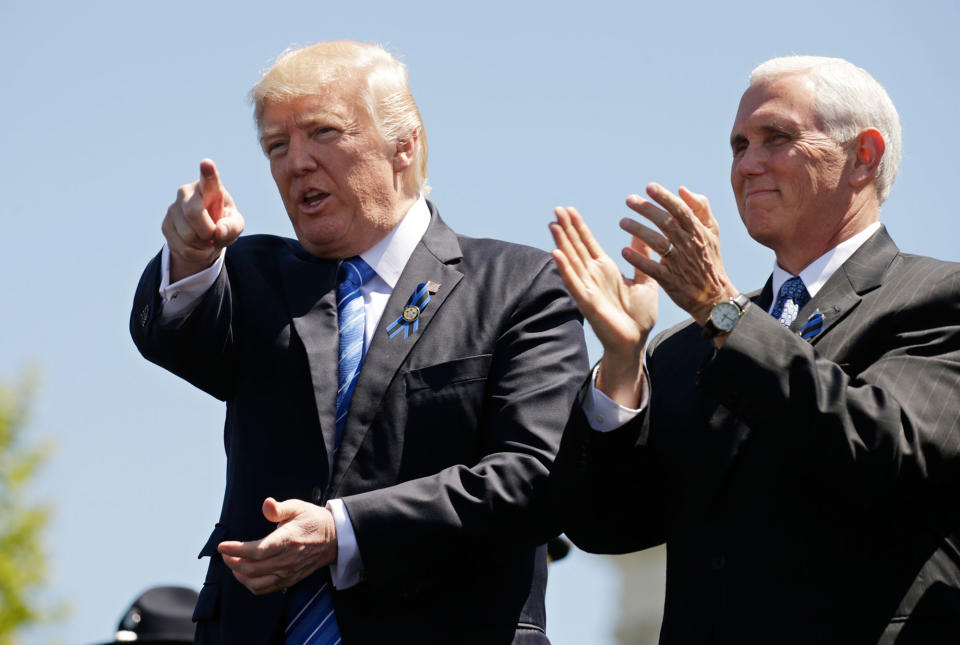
[813, 326]
[408, 321]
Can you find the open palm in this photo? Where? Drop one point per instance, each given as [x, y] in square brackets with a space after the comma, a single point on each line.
[622, 311]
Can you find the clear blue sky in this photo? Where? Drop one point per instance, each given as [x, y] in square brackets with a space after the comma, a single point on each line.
[108, 106]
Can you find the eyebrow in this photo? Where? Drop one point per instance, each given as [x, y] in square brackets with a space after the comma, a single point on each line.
[776, 125]
[306, 121]
[268, 134]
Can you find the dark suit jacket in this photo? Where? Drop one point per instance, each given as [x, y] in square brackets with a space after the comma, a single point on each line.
[807, 492]
[448, 443]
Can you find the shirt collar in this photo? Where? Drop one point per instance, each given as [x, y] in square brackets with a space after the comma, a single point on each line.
[388, 256]
[820, 270]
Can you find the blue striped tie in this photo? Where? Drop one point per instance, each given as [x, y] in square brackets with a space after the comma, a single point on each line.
[793, 296]
[311, 605]
[353, 273]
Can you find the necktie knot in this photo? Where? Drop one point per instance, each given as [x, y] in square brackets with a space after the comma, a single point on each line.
[791, 299]
[354, 272]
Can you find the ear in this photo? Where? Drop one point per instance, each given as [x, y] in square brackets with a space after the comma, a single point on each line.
[406, 151]
[869, 147]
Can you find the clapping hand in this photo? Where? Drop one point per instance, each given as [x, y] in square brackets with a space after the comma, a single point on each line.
[690, 269]
[621, 310]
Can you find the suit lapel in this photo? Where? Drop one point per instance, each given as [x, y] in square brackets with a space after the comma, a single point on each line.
[862, 272]
[310, 289]
[430, 261]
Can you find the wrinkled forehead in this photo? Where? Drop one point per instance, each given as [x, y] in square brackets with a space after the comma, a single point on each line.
[338, 101]
[782, 100]
[340, 95]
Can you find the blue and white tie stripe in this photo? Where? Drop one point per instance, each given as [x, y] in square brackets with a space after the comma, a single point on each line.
[353, 273]
[791, 299]
[312, 621]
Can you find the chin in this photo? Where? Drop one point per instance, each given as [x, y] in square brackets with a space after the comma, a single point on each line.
[761, 221]
[321, 247]
[321, 237]
[765, 235]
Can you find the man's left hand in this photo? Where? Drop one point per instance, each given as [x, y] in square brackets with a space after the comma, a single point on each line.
[690, 269]
[305, 540]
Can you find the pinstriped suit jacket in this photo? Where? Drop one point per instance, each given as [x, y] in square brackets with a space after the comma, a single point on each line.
[807, 491]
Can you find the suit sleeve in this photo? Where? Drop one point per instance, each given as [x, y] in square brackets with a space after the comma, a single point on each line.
[419, 526]
[599, 475]
[607, 486]
[884, 423]
[199, 346]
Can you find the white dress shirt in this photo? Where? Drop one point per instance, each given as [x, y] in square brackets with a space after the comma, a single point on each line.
[604, 414]
[820, 270]
[387, 258]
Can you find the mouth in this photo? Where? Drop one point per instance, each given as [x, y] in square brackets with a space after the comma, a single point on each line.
[756, 192]
[313, 198]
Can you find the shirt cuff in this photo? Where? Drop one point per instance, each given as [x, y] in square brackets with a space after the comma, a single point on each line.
[346, 571]
[603, 413]
[183, 295]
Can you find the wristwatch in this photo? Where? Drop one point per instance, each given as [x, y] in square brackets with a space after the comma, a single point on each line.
[724, 316]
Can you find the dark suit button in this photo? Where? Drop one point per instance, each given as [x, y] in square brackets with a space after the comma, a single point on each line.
[144, 315]
[316, 495]
[718, 562]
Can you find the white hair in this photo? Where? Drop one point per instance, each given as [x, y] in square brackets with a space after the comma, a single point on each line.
[848, 100]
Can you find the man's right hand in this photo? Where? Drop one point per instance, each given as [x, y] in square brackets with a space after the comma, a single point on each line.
[622, 311]
[200, 223]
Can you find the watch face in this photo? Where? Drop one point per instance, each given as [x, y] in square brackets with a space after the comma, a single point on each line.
[725, 315]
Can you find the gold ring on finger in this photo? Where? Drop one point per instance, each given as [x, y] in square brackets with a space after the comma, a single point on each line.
[665, 254]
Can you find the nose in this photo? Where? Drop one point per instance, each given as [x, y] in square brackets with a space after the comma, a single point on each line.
[300, 158]
[752, 161]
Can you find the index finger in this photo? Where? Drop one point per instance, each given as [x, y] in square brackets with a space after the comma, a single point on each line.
[700, 206]
[678, 208]
[211, 189]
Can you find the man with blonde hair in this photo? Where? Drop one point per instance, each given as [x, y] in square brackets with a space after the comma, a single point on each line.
[797, 449]
[395, 392]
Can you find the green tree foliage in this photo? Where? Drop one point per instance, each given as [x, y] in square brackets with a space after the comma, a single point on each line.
[23, 562]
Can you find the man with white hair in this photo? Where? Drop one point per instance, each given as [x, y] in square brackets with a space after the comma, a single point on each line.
[400, 389]
[797, 448]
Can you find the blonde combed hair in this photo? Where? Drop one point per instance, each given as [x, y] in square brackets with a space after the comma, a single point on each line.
[386, 96]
